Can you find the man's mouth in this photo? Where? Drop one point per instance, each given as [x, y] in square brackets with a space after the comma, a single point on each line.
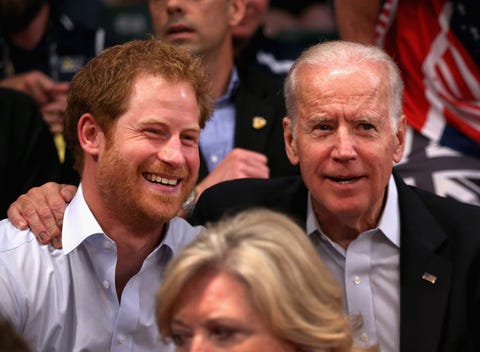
[178, 29]
[166, 181]
[344, 180]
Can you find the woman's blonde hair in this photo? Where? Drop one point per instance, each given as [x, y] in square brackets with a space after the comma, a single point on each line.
[287, 281]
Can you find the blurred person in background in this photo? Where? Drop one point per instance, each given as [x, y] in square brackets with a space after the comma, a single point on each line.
[307, 16]
[28, 156]
[265, 41]
[256, 51]
[41, 48]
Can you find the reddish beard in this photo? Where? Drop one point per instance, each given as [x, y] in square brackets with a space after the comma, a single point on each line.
[118, 179]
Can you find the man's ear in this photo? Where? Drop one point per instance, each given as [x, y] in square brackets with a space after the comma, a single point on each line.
[400, 139]
[237, 9]
[90, 135]
[290, 141]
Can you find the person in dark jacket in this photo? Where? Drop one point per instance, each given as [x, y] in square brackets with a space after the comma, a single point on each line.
[28, 157]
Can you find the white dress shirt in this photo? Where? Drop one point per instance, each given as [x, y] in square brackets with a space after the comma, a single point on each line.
[369, 273]
[65, 299]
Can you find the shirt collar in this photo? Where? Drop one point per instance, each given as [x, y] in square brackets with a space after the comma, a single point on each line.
[389, 222]
[231, 88]
[178, 233]
[79, 223]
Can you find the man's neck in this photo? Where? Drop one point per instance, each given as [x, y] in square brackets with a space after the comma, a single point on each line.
[344, 230]
[219, 68]
[131, 253]
[134, 237]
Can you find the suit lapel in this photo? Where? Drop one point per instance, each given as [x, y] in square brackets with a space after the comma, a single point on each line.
[425, 275]
[203, 169]
[253, 119]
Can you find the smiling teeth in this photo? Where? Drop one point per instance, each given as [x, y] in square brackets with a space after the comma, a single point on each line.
[162, 180]
[344, 180]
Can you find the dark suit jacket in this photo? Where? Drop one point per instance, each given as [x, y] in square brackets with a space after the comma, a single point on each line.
[439, 236]
[259, 94]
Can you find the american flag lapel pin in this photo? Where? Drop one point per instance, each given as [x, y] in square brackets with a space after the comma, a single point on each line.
[429, 277]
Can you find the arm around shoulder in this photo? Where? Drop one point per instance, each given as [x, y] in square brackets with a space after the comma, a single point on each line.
[42, 209]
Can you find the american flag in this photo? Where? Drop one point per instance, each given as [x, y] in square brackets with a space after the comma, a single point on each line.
[429, 277]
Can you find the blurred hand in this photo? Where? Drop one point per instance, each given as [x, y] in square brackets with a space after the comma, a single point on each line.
[50, 96]
[54, 113]
[239, 163]
[34, 83]
[42, 209]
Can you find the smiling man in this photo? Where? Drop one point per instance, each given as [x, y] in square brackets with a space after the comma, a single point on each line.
[133, 121]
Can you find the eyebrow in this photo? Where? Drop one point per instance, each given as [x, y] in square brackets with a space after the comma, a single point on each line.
[153, 121]
[178, 322]
[214, 320]
[314, 120]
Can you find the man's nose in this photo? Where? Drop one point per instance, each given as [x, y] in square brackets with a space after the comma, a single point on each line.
[344, 145]
[171, 151]
[174, 6]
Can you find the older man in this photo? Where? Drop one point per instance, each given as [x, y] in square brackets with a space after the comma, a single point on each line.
[408, 260]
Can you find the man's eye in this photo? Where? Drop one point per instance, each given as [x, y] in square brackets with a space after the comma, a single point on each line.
[366, 126]
[190, 138]
[152, 131]
[322, 127]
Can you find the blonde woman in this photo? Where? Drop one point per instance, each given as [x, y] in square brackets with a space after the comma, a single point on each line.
[252, 282]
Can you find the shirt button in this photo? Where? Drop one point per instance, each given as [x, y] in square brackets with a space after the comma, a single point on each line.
[364, 337]
[121, 339]
[214, 158]
[107, 244]
[106, 284]
[357, 280]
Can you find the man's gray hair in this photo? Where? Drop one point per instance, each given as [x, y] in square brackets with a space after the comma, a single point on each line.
[336, 54]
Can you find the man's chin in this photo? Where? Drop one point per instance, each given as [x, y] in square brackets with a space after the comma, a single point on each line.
[161, 215]
[188, 45]
[167, 210]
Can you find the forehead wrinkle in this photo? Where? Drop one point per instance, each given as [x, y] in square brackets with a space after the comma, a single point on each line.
[319, 109]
